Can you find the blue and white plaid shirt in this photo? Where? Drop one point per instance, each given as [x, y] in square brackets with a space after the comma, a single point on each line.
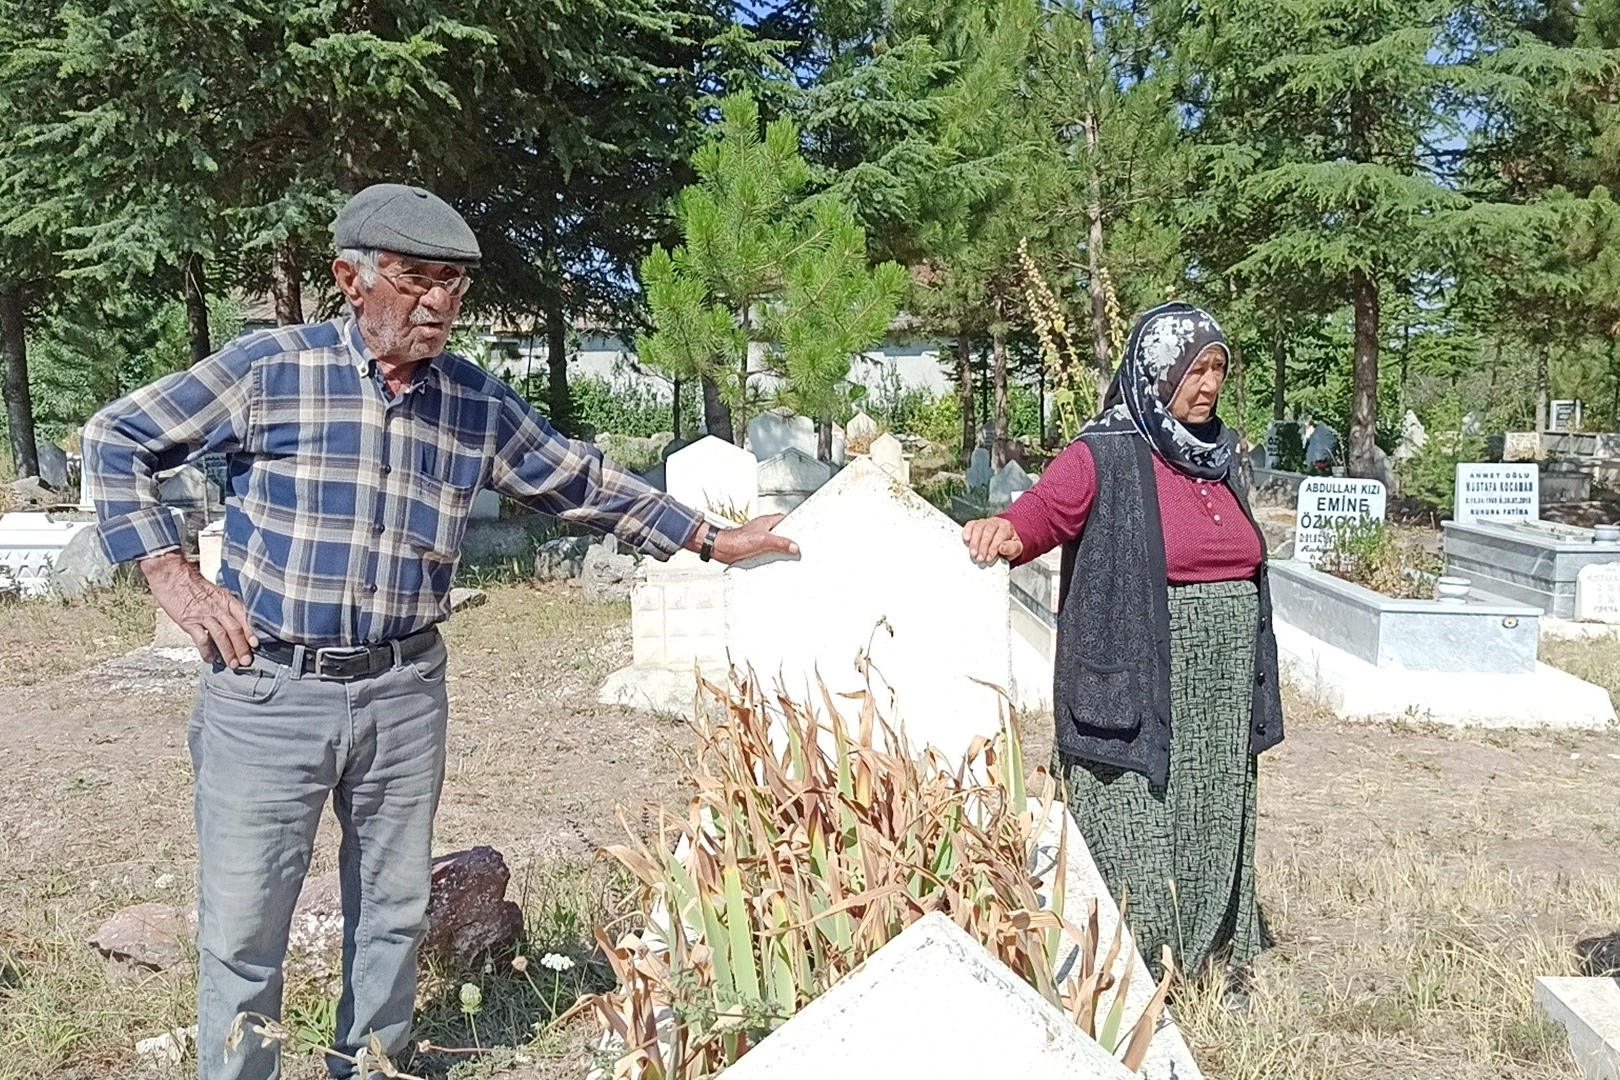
[345, 510]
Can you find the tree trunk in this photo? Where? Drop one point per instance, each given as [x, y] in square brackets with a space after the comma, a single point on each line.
[1279, 376]
[964, 394]
[1541, 387]
[1100, 348]
[286, 284]
[998, 445]
[19, 400]
[196, 287]
[675, 409]
[824, 439]
[557, 396]
[716, 413]
[1364, 401]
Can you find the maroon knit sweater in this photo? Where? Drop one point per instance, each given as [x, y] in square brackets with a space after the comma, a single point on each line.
[1207, 537]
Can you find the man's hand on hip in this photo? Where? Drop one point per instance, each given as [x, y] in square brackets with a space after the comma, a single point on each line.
[746, 541]
[215, 619]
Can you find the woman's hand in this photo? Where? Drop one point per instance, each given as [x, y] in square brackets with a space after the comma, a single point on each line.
[989, 539]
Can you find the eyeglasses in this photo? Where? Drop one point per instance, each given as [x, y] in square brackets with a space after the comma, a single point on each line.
[422, 284]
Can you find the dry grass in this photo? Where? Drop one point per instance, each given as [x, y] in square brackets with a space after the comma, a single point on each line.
[1416, 878]
[45, 639]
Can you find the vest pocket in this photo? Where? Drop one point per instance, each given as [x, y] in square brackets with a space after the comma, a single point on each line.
[1101, 699]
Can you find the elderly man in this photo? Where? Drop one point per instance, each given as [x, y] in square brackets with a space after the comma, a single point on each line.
[355, 448]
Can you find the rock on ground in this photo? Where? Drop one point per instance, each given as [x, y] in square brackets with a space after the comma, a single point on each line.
[561, 559]
[81, 567]
[468, 917]
[607, 574]
[155, 936]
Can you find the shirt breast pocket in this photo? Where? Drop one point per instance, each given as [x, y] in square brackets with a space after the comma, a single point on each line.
[436, 517]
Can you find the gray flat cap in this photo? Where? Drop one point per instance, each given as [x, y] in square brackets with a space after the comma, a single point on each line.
[407, 221]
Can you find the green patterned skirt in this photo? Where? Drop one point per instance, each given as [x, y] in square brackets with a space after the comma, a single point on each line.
[1184, 854]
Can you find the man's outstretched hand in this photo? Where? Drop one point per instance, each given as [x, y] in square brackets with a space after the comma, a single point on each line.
[215, 618]
[746, 541]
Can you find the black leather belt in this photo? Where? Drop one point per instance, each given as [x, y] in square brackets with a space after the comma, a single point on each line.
[345, 662]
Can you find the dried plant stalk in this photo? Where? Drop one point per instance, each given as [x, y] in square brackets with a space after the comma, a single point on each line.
[811, 842]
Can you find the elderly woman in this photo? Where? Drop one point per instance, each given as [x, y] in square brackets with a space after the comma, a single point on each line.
[1166, 669]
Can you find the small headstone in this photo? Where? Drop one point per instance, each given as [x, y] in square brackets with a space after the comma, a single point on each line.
[1414, 437]
[1320, 445]
[53, 465]
[793, 470]
[1597, 593]
[1565, 416]
[979, 471]
[888, 455]
[772, 432]
[1259, 457]
[1502, 492]
[1521, 446]
[717, 478]
[1325, 502]
[861, 428]
[486, 506]
[1009, 482]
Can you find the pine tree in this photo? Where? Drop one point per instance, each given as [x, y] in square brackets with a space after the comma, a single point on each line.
[766, 281]
[1320, 121]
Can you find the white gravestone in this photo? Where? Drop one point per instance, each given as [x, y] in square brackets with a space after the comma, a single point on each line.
[880, 570]
[979, 473]
[1521, 446]
[888, 455]
[1488, 492]
[1597, 593]
[788, 479]
[29, 545]
[861, 426]
[772, 432]
[715, 477]
[931, 1003]
[1326, 502]
[1008, 483]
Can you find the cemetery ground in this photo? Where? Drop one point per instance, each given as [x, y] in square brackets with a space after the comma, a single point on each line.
[1415, 877]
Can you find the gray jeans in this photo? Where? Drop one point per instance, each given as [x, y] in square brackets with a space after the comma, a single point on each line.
[267, 748]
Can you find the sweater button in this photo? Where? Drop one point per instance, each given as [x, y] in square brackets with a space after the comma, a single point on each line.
[1217, 519]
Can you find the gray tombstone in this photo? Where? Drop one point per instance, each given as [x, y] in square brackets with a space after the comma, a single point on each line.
[81, 567]
[53, 466]
[979, 472]
[1009, 483]
[1321, 446]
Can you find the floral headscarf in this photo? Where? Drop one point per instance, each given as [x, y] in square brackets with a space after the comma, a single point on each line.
[1162, 347]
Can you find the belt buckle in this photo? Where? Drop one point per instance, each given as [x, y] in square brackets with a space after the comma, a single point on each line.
[336, 656]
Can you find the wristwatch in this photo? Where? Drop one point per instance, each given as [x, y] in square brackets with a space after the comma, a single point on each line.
[708, 543]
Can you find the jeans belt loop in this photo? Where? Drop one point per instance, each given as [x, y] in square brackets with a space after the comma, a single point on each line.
[298, 662]
[399, 656]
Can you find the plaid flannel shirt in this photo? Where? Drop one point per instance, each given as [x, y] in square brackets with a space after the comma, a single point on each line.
[345, 510]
